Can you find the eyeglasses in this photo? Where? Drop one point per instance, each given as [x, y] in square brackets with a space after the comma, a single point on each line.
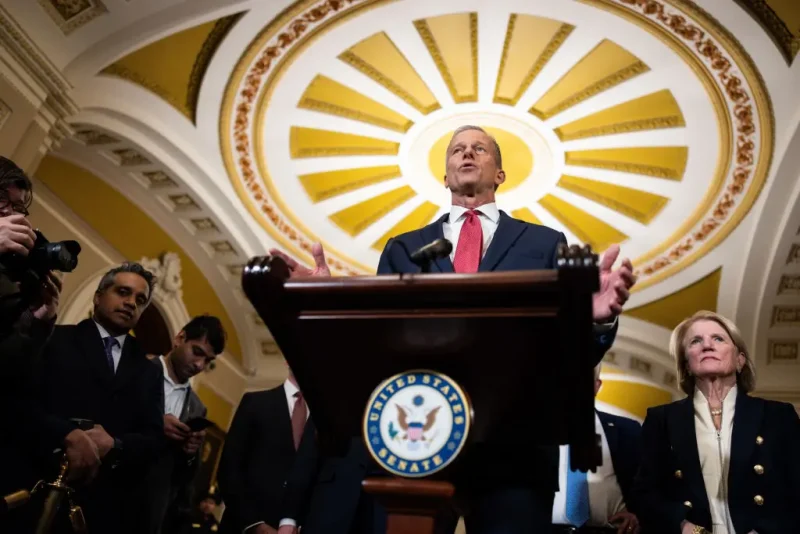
[16, 207]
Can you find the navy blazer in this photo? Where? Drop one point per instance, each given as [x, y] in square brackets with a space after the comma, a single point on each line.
[516, 246]
[624, 437]
[763, 483]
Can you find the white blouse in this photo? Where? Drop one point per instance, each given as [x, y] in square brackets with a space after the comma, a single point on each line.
[714, 448]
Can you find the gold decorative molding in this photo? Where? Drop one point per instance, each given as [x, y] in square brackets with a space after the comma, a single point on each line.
[783, 351]
[794, 255]
[448, 56]
[218, 33]
[789, 284]
[523, 27]
[379, 58]
[183, 202]
[785, 316]
[158, 179]
[95, 137]
[129, 157]
[785, 38]
[738, 81]
[70, 15]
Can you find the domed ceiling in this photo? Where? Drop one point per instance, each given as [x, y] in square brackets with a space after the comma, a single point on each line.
[640, 122]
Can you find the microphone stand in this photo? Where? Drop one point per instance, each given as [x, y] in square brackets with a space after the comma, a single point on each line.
[55, 493]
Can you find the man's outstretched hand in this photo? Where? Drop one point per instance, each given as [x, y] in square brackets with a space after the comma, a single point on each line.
[296, 269]
[614, 287]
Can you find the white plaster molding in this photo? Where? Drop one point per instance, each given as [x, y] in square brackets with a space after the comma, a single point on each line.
[168, 291]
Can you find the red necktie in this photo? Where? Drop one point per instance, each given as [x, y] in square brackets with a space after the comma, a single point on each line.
[299, 414]
[470, 244]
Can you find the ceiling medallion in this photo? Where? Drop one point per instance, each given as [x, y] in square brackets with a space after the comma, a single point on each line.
[335, 130]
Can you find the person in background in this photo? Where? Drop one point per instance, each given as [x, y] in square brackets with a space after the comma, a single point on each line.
[720, 460]
[168, 486]
[203, 519]
[264, 442]
[96, 372]
[601, 502]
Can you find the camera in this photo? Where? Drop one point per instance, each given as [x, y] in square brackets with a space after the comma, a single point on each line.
[41, 259]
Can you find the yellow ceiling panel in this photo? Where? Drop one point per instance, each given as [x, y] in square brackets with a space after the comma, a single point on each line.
[323, 185]
[359, 217]
[650, 112]
[674, 308]
[313, 143]
[415, 220]
[586, 227]
[526, 215]
[173, 67]
[606, 66]
[329, 96]
[135, 235]
[636, 204]
[789, 12]
[633, 397]
[667, 162]
[380, 59]
[452, 41]
[530, 43]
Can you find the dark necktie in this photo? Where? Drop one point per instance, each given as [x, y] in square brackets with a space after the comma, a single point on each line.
[299, 414]
[470, 244]
[109, 343]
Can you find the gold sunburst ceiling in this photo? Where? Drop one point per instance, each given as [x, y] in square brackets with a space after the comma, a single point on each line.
[619, 124]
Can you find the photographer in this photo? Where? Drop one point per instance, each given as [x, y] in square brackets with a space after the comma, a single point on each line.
[27, 317]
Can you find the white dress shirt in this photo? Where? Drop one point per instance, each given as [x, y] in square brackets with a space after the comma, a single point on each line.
[605, 495]
[714, 448]
[488, 215]
[290, 389]
[116, 350]
[174, 394]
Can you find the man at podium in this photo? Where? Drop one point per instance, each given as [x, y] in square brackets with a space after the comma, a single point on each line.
[484, 239]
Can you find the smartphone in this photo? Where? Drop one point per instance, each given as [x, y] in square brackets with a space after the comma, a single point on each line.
[196, 424]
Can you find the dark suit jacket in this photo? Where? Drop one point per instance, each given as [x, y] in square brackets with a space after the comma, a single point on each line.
[670, 483]
[516, 245]
[624, 444]
[167, 489]
[76, 382]
[257, 459]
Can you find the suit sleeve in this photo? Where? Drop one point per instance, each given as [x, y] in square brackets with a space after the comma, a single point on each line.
[234, 463]
[792, 446]
[386, 263]
[139, 448]
[655, 511]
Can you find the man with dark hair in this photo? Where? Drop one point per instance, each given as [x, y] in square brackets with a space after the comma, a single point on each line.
[25, 326]
[96, 372]
[511, 482]
[168, 485]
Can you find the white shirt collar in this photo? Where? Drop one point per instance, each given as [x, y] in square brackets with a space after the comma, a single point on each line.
[290, 388]
[489, 210]
[104, 334]
[168, 379]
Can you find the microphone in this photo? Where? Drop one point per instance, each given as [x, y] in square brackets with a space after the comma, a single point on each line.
[434, 250]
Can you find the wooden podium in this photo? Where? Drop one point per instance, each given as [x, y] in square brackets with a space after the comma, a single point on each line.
[529, 331]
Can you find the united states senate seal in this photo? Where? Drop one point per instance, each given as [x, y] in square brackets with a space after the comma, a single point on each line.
[416, 423]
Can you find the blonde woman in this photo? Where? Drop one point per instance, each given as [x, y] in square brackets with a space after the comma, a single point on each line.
[720, 460]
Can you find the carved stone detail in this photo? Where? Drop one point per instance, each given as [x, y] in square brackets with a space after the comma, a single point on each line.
[167, 270]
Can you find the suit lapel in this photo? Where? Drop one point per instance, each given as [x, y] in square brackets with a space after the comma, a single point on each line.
[746, 422]
[508, 230]
[612, 436]
[431, 233]
[284, 418]
[127, 362]
[91, 346]
[683, 441]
